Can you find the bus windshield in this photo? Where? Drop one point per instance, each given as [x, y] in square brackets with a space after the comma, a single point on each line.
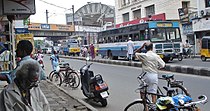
[165, 34]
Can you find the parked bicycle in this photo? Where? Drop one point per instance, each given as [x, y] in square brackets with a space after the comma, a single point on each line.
[65, 75]
[146, 104]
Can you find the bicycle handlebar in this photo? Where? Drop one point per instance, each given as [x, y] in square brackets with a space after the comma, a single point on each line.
[203, 101]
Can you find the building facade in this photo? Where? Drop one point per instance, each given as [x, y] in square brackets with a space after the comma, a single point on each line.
[127, 10]
[201, 24]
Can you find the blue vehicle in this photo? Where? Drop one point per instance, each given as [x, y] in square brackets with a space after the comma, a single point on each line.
[165, 36]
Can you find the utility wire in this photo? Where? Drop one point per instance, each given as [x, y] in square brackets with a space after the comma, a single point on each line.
[55, 5]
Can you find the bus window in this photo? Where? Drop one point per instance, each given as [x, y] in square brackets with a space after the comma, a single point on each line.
[125, 38]
[120, 38]
[116, 39]
[142, 35]
[157, 35]
[136, 37]
[172, 34]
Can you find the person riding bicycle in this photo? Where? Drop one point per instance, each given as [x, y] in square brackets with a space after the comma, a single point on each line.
[186, 48]
[150, 64]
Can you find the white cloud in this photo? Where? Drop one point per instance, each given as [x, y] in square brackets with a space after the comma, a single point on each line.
[57, 15]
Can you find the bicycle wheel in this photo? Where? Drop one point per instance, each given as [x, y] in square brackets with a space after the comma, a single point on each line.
[50, 75]
[73, 79]
[138, 106]
[56, 78]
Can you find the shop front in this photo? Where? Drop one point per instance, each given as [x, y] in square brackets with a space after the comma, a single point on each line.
[201, 28]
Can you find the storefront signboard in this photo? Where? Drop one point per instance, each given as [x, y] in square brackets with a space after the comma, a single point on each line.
[201, 24]
[15, 7]
[158, 17]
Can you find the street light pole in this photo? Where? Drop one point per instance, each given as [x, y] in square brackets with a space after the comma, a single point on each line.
[47, 16]
[73, 17]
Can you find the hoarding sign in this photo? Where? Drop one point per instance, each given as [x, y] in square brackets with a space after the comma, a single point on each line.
[158, 17]
[21, 30]
[45, 26]
[201, 25]
[14, 7]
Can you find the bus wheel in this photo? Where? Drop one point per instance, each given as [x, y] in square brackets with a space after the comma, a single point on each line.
[203, 58]
[115, 57]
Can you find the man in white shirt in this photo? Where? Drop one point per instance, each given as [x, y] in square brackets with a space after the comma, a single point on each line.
[130, 48]
[150, 64]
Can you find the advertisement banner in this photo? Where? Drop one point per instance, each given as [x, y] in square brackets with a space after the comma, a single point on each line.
[61, 27]
[51, 27]
[34, 26]
[14, 7]
[158, 17]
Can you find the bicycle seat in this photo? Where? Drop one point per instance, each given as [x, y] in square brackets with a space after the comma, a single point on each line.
[168, 76]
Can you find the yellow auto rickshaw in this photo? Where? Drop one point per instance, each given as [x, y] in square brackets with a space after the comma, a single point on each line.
[205, 48]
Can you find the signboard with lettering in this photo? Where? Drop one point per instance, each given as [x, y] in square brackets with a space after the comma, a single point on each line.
[51, 27]
[158, 17]
[201, 25]
[187, 29]
[164, 24]
[45, 26]
[14, 7]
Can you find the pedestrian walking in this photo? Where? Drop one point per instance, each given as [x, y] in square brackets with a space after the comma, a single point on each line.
[55, 61]
[130, 49]
[24, 94]
[151, 62]
[92, 51]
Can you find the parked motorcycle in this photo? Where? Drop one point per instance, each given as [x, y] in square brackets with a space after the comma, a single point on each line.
[93, 87]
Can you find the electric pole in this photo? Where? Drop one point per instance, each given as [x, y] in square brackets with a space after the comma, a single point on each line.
[47, 16]
[73, 17]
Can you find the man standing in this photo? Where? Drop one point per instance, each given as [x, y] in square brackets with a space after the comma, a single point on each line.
[151, 62]
[23, 51]
[130, 48]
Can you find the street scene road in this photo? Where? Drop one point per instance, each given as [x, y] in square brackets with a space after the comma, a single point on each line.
[122, 83]
[122, 38]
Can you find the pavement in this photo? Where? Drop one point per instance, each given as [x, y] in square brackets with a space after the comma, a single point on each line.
[59, 99]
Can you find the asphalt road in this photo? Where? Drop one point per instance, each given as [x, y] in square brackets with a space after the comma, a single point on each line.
[122, 83]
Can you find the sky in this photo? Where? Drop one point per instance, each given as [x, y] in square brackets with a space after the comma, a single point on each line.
[57, 15]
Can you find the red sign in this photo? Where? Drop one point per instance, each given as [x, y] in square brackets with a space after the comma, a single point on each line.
[158, 17]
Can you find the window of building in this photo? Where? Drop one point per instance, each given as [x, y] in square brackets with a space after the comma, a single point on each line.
[150, 10]
[125, 17]
[137, 14]
[185, 4]
[125, 2]
[207, 3]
